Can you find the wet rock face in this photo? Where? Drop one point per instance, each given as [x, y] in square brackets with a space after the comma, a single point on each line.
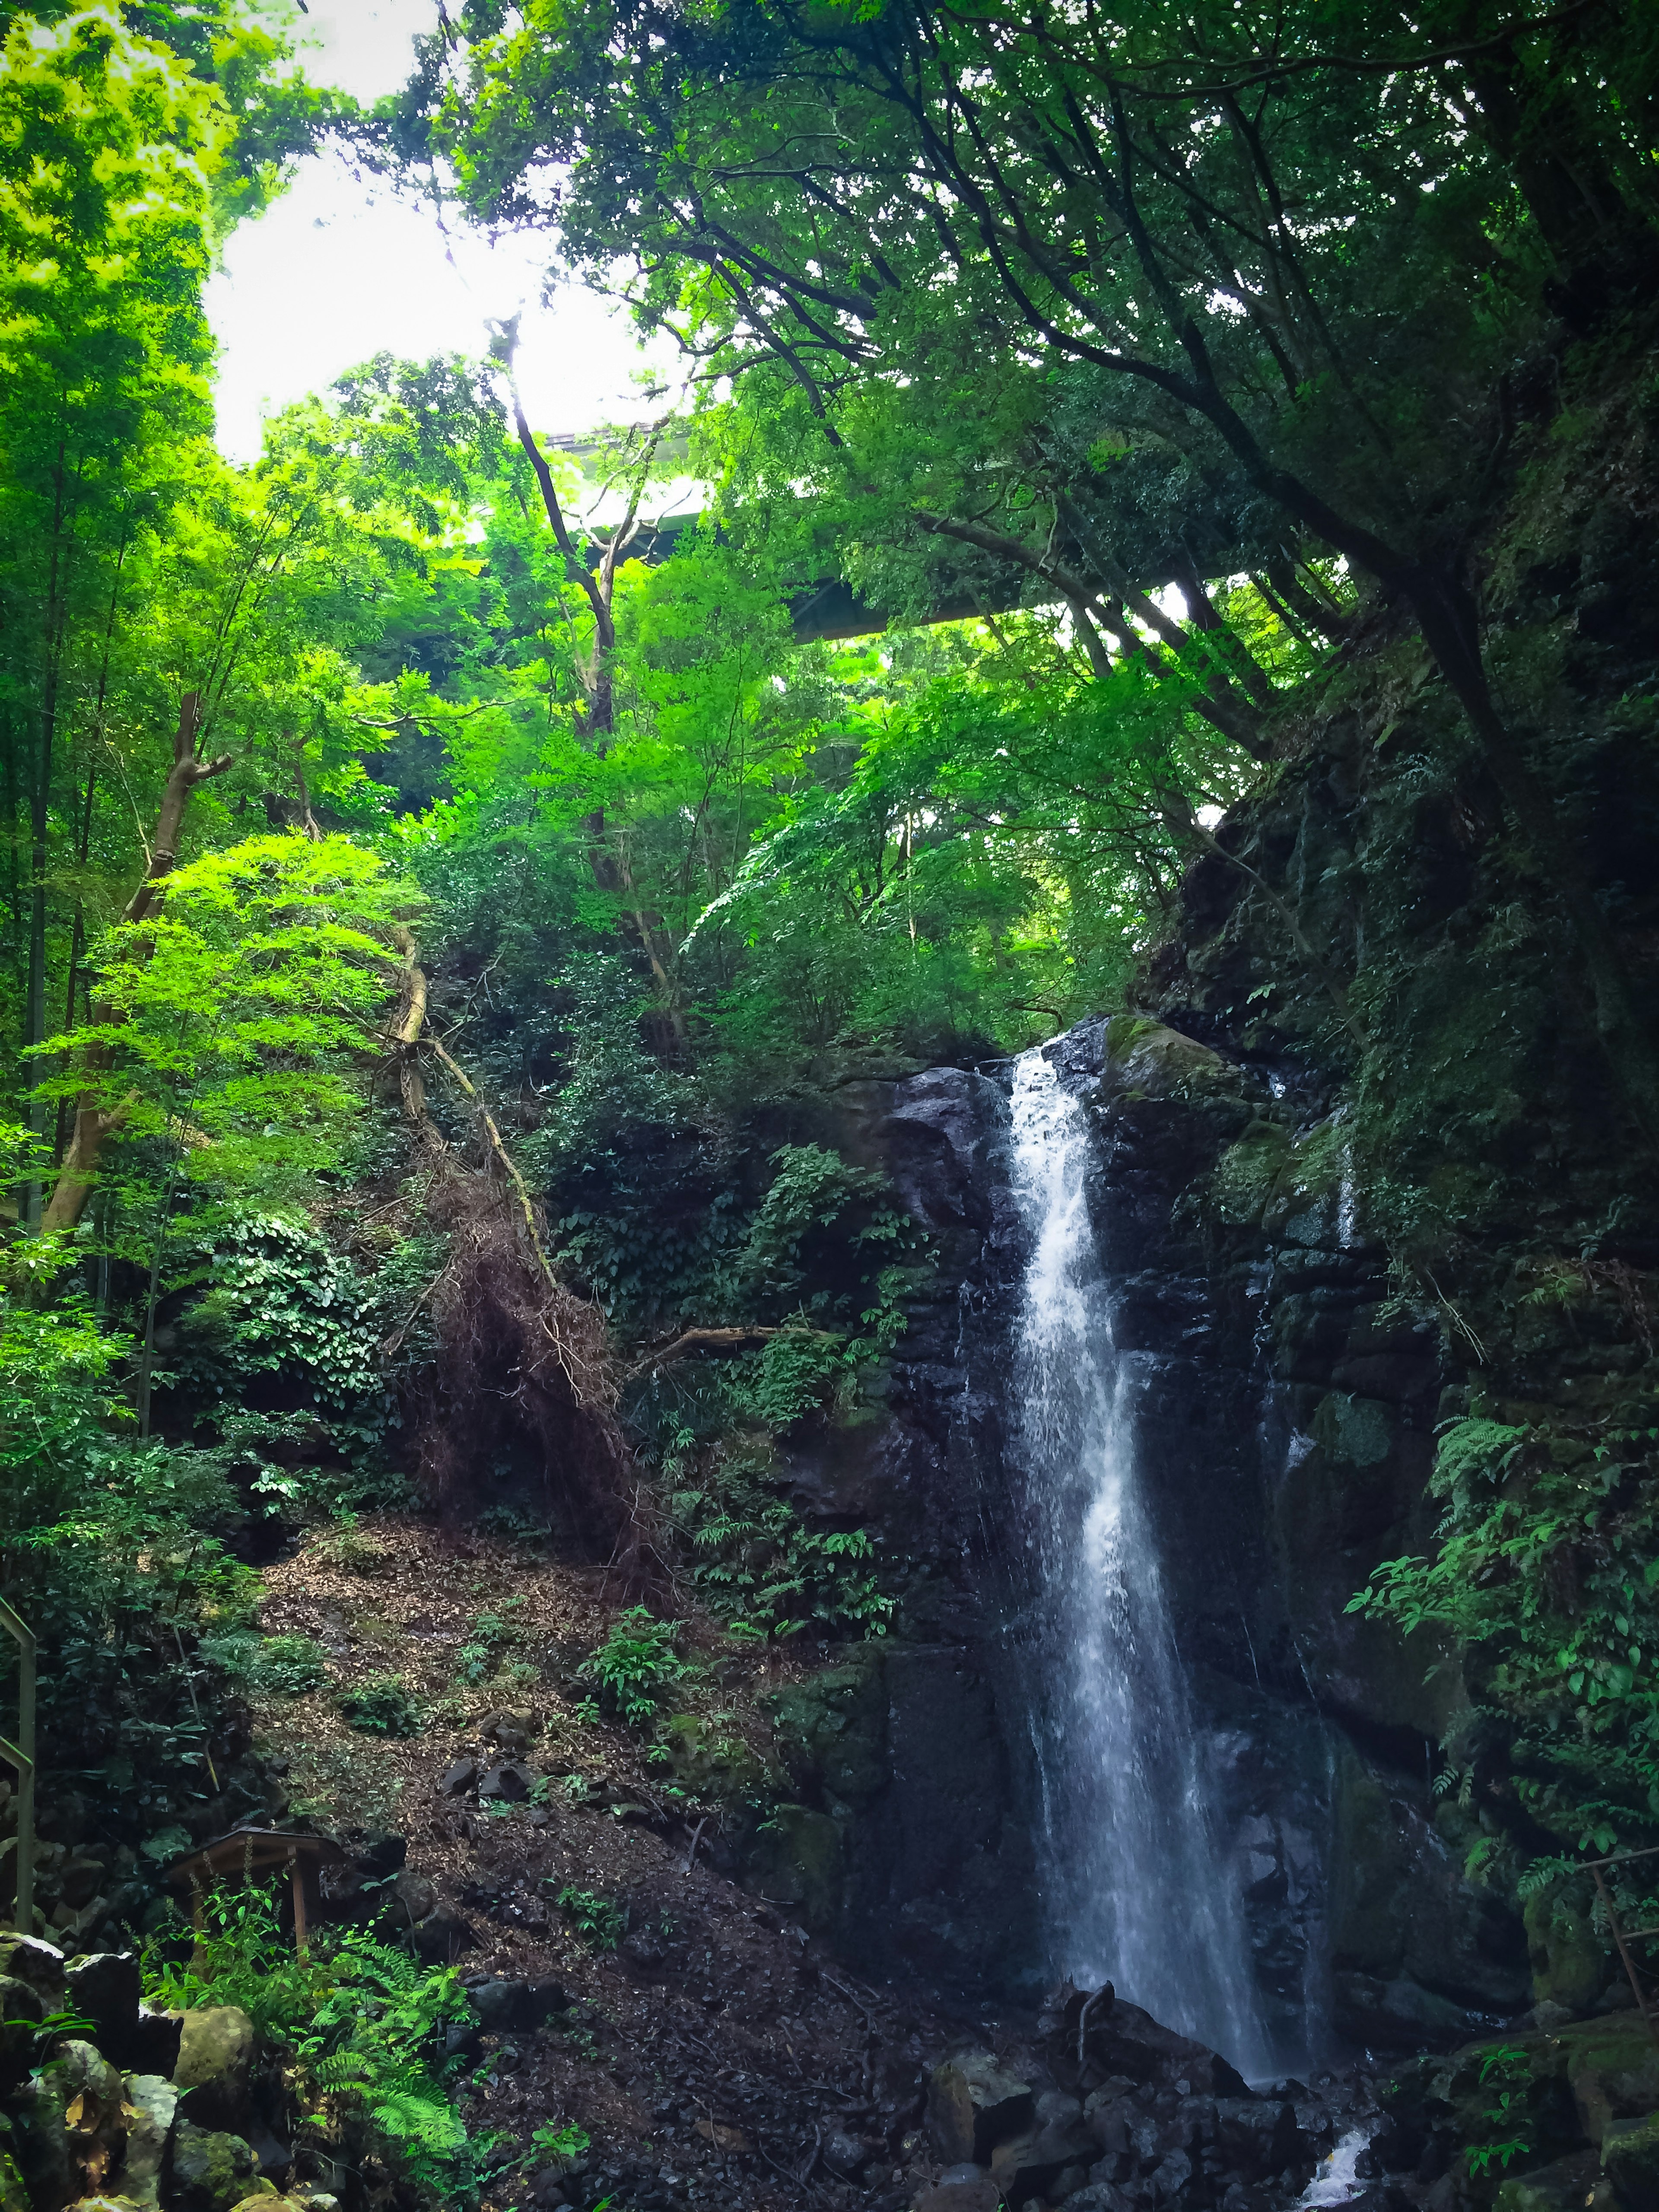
[1284, 1414]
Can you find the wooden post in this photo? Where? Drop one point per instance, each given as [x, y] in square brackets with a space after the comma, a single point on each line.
[20, 1755]
[298, 1873]
[1642, 2005]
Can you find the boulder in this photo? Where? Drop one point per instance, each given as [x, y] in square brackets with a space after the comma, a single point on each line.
[442, 1936]
[1257, 2136]
[1612, 2071]
[154, 2103]
[511, 1783]
[1030, 2165]
[460, 1779]
[973, 2106]
[104, 1987]
[155, 2047]
[1629, 2158]
[979, 2195]
[1117, 2039]
[501, 2005]
[212, 2171]
[72, 2126]
[416, 1897]
[1566, 2186]
[20, 2012]
[42, 1965]
[216, 2051]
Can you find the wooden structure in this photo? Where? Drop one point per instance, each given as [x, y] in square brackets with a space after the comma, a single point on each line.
[248, 1851]
[20, 1757]
[1624, 1937]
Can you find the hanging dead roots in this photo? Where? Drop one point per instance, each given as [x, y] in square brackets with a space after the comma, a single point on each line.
[519, 1402]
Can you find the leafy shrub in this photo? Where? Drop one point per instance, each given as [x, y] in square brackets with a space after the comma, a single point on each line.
[635, 1665]
[351, 1548]
[490, 1635]
[1546, 1571]
[269, 1666]
[762, 1571]
[116, 1554]
[383, 1705]
[355, 2023]
[599, 1921]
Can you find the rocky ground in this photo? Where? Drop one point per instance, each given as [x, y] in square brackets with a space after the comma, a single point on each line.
[632, 1978]
[628, 1982]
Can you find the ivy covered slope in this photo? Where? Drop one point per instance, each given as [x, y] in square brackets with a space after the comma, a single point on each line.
[1453, 1120]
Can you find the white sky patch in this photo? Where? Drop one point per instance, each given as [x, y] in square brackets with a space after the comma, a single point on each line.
[338, 270]
[1209, 816]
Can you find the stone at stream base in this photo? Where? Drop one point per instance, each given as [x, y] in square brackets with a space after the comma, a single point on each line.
[72, 2126]
[1629, 2158]
[104, 1988]
[982, 2194]
[973, 2106]
[20, 2009]
[155, 2048]
[215, 2052]
[213, 2172]
[154, 2105]
[27, 1959]
[1563, 2187]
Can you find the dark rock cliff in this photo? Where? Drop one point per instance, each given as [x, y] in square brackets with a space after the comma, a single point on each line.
[1283, 1423]
[1336, 1221]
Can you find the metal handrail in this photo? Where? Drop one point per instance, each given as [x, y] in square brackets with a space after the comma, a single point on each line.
[20, 1755]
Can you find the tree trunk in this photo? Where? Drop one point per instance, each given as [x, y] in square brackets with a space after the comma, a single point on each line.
[96, 1123]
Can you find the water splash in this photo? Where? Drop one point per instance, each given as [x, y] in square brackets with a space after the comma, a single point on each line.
[1337, 2181]
[1136, 1887]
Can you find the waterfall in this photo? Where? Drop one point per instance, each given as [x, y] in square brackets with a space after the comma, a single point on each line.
[1136, 1887]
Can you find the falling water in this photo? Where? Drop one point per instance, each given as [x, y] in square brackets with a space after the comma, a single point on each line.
[1137, 1889]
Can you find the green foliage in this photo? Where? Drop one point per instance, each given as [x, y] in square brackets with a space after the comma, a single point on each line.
[1543, 1571]
[383, 1705]
[760, 1570]
[269, 1666]
[115, 1552]
[221, 1027]
[356, 2021]
[1501, 2070]
[488, 1637]
[599, 1921]
[635, 1665]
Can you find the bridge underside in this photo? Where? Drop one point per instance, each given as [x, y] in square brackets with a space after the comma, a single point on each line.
[976, 585]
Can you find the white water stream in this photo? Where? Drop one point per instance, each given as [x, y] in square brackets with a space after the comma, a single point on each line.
[1137, 1888]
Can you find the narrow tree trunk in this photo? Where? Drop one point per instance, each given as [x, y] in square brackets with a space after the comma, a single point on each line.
[95, 1122]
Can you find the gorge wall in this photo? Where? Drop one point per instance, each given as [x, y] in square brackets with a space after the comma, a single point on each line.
[1284, 1411]
[1335, 1224]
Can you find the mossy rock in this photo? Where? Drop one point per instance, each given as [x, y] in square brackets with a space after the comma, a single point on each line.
[831, 1731]
[1568, 1960]
[211, 2172]
[1145, 1059]
[13, 2194]
[798, 1859]
[1629, 2158]
[1244, 1178]
[1564, 2186]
